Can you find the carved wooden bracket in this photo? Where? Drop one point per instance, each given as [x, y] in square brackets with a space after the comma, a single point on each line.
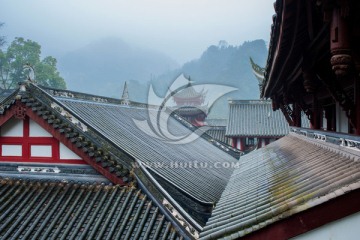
[306, 109]
[20, 110]
[341, 59]
[288, 113]
[341, 63]
[339, 95]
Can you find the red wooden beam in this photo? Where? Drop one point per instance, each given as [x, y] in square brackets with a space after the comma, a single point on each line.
[26, 142]
[61, 137]
[9, 113]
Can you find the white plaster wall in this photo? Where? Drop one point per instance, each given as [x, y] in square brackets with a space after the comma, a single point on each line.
[37, 131]
[346, 228]
[12, 128]
[41, 150]
[324, 120]
[66, 153]
[11, 150]
[342, 122]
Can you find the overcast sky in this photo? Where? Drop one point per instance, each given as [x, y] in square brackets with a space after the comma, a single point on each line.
[182, 29]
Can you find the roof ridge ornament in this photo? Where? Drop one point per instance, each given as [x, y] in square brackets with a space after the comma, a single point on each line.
[259, 73]
[27, 68]
[30, 77]
[125, 95]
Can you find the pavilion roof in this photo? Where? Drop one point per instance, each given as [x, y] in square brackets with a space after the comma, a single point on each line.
[188, 93]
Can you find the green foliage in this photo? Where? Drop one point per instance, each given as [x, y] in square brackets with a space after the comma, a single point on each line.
[2, 38]
[48, 75]
[21, 52]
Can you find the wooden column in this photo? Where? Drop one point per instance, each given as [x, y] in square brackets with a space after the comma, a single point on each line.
[330, 114]
[357, 104]
[234, 142]
[297, 115]
[311, 86]
[339, 43]
[317, 116]
[242, 144]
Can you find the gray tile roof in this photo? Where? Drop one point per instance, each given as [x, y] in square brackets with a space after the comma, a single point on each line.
[116, 122]
[288, 176]
[217, 129]
[216, 121]
[188, 93]
[4, 94]
[189, 110]
[255, 118]
[218, 133]
[48, 210]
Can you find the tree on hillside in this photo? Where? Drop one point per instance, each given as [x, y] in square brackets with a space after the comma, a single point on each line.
[2, 38]
[22, 52]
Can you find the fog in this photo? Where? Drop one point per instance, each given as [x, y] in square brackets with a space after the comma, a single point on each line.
[181, 29]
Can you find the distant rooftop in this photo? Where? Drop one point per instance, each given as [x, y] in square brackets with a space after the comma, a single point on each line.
[255, 118]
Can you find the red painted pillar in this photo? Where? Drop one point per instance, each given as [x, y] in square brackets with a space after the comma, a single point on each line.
[242, 144]
[339, 43]
[26, 133]
[234, 142]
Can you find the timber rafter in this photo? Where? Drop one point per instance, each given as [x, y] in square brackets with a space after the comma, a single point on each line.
[288, 113]
[339, 95]
[305, 108]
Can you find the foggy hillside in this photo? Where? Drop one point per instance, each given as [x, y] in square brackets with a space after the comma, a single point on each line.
[102, 68]
[225, 65]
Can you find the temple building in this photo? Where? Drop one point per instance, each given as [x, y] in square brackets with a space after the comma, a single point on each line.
[189, 103]
[217, 129]
[79, 166]
[253, 124]
[314, 64]
[75, 165]
[306, 184]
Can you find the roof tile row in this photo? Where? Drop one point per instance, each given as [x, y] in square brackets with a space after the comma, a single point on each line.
[117, 123]
[286, 177]
[70, 211]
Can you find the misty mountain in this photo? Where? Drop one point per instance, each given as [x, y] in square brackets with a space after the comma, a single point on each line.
[222, 64]
[102, 68]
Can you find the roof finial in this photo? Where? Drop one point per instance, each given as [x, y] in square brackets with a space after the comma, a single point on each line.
[30, 72]
[125, 95]
[258, 72]
[189, 80]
